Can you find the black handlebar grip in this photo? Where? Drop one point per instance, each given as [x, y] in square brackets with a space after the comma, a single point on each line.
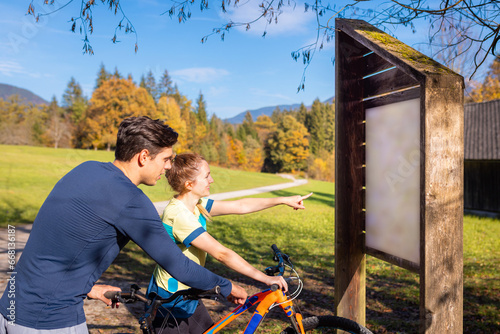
[274, 287]
[113, 295]
[213, 291]
[275, 248]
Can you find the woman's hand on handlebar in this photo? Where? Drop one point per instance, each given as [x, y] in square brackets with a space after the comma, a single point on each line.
[98, 291]
[238, 295]
[278, 280]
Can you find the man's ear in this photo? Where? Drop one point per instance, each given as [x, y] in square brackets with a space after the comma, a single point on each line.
[143, 157]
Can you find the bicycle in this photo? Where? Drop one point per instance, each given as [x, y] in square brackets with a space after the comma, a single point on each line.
[265, 301]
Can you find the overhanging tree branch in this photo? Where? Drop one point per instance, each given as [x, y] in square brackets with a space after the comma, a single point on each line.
[482, 15]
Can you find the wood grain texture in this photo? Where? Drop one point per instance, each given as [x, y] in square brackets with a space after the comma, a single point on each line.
[350, 260]
[441, 172]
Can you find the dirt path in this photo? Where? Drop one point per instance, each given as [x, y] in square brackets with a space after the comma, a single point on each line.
[100, 318]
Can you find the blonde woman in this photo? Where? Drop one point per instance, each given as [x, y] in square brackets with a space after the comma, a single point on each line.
[185, 219]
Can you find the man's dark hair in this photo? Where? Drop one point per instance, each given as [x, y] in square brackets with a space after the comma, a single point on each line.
[138, 133]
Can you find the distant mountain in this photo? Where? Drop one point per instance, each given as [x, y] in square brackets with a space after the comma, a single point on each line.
[24, 94]
[238, 119]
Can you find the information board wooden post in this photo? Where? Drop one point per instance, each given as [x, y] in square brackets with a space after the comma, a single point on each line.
[378, 74]
[350, 259]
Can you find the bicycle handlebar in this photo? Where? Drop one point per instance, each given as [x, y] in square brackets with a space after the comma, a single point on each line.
[281, 258]
[192, 293]
[135, 295]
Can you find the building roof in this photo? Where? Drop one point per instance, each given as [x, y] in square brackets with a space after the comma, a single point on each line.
[482, 131]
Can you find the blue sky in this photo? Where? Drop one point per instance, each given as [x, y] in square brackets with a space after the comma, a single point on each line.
[245, 71]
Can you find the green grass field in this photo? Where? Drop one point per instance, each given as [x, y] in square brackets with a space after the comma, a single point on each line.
[28, 174]
[307, 236]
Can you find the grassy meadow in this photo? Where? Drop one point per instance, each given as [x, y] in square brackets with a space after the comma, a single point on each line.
[28, 174]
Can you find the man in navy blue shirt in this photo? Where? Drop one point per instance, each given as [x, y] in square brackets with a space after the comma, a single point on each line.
[88, 217]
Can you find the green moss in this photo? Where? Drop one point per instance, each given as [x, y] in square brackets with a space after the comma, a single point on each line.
[412, 56]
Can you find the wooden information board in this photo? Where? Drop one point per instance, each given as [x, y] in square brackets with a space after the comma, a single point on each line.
[399, 172]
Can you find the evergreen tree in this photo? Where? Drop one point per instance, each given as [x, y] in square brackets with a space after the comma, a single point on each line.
[201, 110]
[277, 115]
[117, 74]
[165, 85]
[316, 127]
[102, 76]
[74, 102]
[250, 126]
[241, 133]
[149, 83]
[329, 127]
[302, 115]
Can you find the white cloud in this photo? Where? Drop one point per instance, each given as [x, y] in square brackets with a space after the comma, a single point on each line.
[11, 68]
[200, 74]
[291, 20]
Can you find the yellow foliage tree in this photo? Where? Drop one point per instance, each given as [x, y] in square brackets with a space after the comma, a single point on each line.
[490, 89]
[264, 125]
[169, 110]
[236, 154]
[254, 154]
[287, 148]
[113, 101]
[322, 168]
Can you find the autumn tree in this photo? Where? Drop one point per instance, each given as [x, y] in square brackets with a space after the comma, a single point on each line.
[58, 129]
[235, 153]
[264, 126]
[115, 100]
[170, 112]
[287, 148]
[490, 88]
[254, 154]
[20, 123]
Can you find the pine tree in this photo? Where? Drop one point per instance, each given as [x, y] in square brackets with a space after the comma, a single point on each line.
[117, 74]
[102, 76]
[149, 83]
[316, 127]
[247, 128]
[74, 102]
[201, 110]
[165, 85]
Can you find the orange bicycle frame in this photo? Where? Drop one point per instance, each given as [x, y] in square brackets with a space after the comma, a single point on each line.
[265, 299]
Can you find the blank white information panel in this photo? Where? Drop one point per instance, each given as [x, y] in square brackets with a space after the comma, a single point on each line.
[393, 179]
